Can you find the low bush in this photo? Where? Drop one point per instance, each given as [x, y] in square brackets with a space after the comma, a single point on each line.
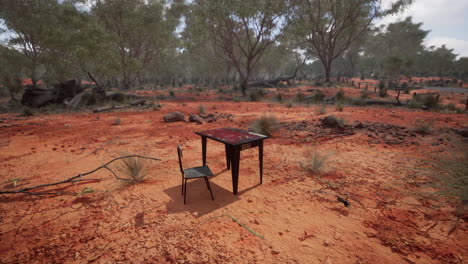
[423, 127]
[256, 95]
[365, 94]
[317, 162]
[318, 96]
[339, 107]
[26, 112]
[201, 109]
[265, 125]
[340, 95]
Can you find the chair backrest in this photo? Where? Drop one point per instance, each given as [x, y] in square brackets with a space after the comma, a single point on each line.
[180, 154]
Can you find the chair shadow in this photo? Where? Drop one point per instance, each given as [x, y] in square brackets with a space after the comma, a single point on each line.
[199, 199]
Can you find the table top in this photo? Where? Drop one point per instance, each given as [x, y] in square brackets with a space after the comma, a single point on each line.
[232, 136]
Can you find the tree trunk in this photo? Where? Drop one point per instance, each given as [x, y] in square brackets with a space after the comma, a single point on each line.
[243, 86]
[327, 67]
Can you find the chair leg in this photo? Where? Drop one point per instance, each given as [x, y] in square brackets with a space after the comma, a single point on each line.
[185, 191]
[209, 187]
[182, 186]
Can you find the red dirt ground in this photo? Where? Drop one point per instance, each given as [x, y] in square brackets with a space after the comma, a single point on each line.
[297, 213]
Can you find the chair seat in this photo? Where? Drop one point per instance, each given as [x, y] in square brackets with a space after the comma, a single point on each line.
[197, 172]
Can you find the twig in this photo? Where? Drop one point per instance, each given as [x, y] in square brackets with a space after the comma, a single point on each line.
[74, 178]
[237, 221]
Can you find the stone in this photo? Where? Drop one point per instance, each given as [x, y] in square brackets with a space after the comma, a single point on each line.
[195, 118]
[330, 121]
[359, 125]
[173, 117]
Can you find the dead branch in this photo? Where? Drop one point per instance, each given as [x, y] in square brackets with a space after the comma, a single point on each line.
[76, 178]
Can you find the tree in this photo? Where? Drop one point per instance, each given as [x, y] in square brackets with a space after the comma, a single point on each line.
[29, 22]
[328, 27]
[142, 31]
[241, 31]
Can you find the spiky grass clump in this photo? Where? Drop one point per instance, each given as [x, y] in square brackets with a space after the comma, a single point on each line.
[265, 125]
[424, 127]
[340, 95]
[317, 162]
[134, 168]
[445, 176]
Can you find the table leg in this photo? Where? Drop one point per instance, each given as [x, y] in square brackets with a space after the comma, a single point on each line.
[260, 158]
[204, 150]
[235, 157]
[228, 156]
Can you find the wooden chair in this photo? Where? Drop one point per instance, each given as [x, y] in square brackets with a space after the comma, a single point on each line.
[193, 173]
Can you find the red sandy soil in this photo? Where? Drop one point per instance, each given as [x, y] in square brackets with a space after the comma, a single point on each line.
[148, 222]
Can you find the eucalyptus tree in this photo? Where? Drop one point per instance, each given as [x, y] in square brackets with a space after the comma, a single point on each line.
[326, 28]
[30, 24]
[142, 31]
[241, 31]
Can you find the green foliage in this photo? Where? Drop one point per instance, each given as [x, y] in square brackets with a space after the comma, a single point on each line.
[322, 110]
[381, 85]
[365, 94]
[264, 125]
[299, 97]
[256, 95]
[339, 107]
[382, 92]
[172, 94]
[340, 95]
[431, 101]
[27, 112]
[318, 96]
[279, 97]
[86, 190]
[317, 162]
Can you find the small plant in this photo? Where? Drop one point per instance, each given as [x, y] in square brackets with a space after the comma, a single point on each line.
[265, 125]
[340, 95]
[299, 97]
[358, 102]
[289, 104]
[14, 181]
[157, 107]
[451, 107]
[319, 96]
[317, 162]
[86, 190]
[27, 112]
[279, 97]
[423, 127]
[256, 95]
[133, 167]
[381, 85]
[201, 109]
[339, 107]
[382, 89]
[117, 121]
[236, 99]
[365, 95]
[172, 94]
[322, 110]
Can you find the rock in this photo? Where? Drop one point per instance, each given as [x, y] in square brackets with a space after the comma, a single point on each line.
[173, 117]
[359, 125]
[138, 102]
[330, 121]
[195, 118]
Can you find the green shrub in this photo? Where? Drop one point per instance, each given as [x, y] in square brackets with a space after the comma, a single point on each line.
[172, 94]
[358, 102]
[256, 95]
[365, 94]
[26, 112]
[322, 110]
[340, 95]
[381, 85]
[299, 97]
[265, 125]
[339, 107]
[318, 96]
[279, 97]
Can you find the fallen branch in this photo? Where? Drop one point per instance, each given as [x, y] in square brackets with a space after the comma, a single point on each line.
[76, 178]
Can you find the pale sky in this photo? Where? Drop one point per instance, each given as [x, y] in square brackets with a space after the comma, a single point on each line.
[447, 21]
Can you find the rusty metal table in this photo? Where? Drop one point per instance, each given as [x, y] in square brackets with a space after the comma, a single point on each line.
[234, 140]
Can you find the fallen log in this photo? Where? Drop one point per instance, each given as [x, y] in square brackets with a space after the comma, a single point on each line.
[272, 82]
[138, 102]
[378, 102]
